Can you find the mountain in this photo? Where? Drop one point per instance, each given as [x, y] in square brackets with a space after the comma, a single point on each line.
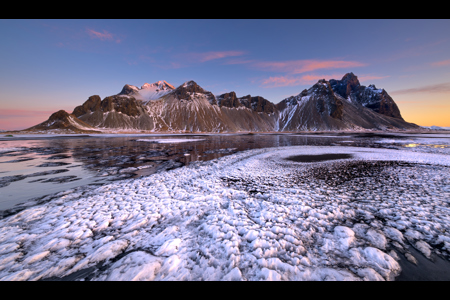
[370, 97]
[187, 108]
[63, 122]
[160, 107]
[340, 105]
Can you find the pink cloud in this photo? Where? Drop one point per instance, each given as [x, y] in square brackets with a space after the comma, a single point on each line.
[211, 55]
[441, 63]
[280, 81]
[103, 36]
[237, 61]
[302, 66]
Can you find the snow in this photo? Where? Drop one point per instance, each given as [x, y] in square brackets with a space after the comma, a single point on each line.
[10, 149]
[168, 141]
[152, 91]
[245, 216]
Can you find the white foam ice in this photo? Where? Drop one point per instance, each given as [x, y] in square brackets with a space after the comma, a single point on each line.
[169, 141]
[246, 216]
[10, 149]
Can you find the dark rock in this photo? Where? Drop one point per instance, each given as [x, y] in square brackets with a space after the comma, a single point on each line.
[125, 105]
[128, 90]
[229, 100]
[187, 90]
[91, 105]
[258, 104]
[370, 97]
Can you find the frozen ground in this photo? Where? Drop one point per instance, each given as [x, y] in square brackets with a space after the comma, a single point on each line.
[252, 215]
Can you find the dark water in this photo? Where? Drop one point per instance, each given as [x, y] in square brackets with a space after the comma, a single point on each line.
[434, 269]
[33, 167]
[319, 157]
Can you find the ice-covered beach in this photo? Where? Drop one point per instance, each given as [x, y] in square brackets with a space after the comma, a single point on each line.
[261, 214]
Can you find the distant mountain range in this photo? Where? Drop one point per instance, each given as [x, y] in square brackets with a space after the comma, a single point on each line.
[160, 107]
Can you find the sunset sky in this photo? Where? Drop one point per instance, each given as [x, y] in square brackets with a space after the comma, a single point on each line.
[48, 65]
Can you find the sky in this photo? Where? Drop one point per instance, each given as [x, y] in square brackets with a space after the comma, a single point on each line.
[48, 65]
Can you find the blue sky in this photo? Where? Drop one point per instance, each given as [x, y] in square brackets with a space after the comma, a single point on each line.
[49, 65]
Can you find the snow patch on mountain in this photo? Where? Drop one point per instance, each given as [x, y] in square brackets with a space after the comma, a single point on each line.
[148, 91]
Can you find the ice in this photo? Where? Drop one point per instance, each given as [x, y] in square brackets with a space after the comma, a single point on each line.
[233, 275]
[369, 274]
[137, 266]
[345, 236]
[377, 239]
[424, 248]
[169, 247]
[168, 141]
[251, 215]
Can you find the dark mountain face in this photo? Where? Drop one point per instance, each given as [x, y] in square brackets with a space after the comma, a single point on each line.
[229, 100]
[258, 104]
[328, 105]
[375, 99]
[128, 90]
[322, 107]
[188, 90]
[125, 105]
[325, 99]
[344, 87]
[92, 104]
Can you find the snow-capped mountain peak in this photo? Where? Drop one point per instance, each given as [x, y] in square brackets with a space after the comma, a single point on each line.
[161, 85]
[148, 91]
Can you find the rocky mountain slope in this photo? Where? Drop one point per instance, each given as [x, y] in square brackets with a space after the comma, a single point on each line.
[324, 107]
[377, 100]
[63, 122]
[328, 105]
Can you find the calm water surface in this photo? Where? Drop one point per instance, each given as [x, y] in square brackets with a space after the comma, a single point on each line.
[32, 167]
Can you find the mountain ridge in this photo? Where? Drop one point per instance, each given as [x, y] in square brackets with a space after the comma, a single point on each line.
[160, 107]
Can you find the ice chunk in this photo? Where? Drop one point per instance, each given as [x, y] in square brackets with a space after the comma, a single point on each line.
[269, 275]
[382, 262]
[234, 275]
[393, 234]
[169, 247]
[168, 141]
[345, 236]
[376, 239]
[370, 274]
[251, 235]
[136, 266]
[423, 247]
[108, 250]
[36, 257]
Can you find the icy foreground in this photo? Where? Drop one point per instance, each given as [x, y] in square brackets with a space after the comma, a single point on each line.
[252, 215]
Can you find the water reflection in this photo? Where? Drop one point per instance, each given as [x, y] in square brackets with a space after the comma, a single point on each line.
[98, 160]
